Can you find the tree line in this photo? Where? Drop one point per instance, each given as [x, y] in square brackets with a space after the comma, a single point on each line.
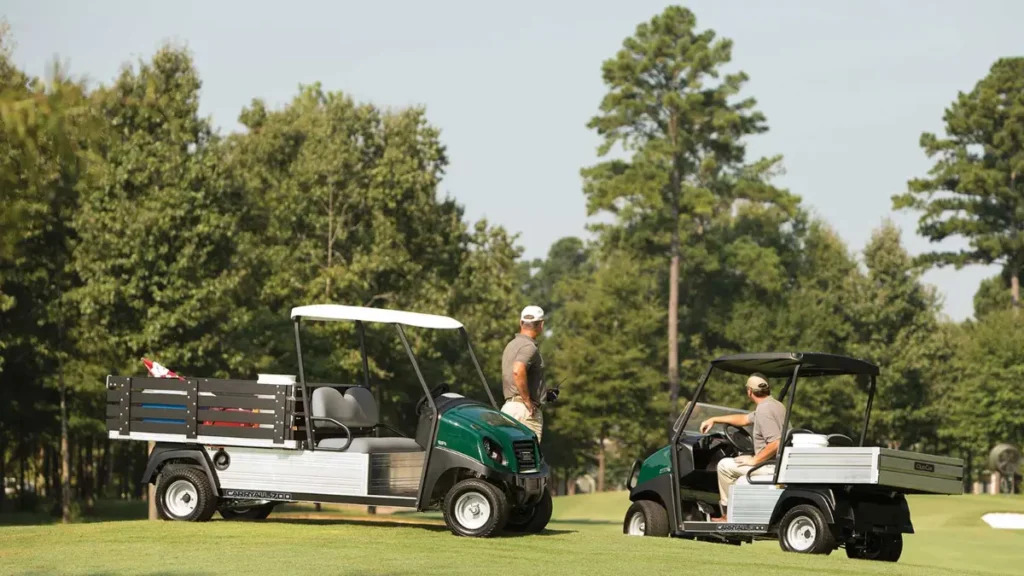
[130, 227]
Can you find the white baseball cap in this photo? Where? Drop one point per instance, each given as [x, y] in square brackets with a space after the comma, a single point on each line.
[532, 314]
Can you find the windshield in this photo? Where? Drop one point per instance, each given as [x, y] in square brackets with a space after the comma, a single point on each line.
[702, 412]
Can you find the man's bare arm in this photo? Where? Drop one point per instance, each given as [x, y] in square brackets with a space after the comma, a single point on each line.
[766, 453]
[734, 419]
[519, 375]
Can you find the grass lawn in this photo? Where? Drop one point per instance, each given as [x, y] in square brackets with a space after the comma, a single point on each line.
[583, 538]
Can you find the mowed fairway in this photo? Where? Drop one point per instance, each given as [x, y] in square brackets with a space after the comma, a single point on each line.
[584, 538]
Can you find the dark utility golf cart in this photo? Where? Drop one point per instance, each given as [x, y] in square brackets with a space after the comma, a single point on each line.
[825, 491]
[242, 447]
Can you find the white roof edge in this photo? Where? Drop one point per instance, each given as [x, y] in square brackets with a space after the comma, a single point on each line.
[329, 312]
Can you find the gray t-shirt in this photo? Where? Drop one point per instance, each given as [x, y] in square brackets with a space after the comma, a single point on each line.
[769, 417]
[523, 349]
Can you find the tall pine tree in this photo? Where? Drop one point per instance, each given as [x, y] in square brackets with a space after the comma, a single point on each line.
[975, 190]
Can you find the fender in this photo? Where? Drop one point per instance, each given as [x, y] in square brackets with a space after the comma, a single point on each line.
[442, 460]
[163, 452]
[821, 497]
[660, 486]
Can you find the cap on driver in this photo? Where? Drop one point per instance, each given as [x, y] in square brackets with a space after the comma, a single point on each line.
[532, 314]
[756, 382]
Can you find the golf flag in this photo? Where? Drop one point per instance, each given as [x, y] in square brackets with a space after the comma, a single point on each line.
[158, 371]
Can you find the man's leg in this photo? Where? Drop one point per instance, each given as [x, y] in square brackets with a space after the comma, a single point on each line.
[728, 472]
[518, 411]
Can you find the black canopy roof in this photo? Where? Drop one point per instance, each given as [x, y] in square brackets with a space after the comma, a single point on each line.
[775, 364]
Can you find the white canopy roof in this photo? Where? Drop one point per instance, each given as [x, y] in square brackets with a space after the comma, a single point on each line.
[379, 315]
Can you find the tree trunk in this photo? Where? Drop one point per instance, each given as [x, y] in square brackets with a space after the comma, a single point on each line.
[65, 454]
[90, 475]
[151, 498]
[600, 466]
[108, 457]
[570, 489]
[101, 469]
[673, 334]
[21, 477]
[3, 468]
[1015, 287]
[40, 474]
[330, 242]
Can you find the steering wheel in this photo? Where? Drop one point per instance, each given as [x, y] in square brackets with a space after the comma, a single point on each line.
[739, 438]
[434, 393]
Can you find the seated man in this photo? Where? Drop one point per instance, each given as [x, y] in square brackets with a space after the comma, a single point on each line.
[768, 419]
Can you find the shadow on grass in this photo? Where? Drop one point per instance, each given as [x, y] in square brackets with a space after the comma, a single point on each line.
[342, 521]
[430, 527]
[585, 521]
[104, 511]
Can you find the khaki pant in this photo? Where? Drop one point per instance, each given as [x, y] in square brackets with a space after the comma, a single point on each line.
[729, 473]
[518, 411]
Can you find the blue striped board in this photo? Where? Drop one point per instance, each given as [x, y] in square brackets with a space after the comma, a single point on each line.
[164, 420]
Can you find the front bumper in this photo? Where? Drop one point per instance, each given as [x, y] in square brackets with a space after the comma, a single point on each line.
[527, 488]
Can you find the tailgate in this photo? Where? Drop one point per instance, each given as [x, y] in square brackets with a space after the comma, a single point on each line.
[916, 472]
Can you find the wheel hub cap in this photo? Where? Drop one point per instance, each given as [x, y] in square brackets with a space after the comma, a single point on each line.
[801, 534]
[472, 510]
[181, 498]
[637, 525]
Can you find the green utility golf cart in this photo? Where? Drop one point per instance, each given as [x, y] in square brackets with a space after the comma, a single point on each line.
[242, 447]
[819, 493]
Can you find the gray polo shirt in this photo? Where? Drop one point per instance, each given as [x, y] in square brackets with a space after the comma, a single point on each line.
[769, 417]
[523, 349]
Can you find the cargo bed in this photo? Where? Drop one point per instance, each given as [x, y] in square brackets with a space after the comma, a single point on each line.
[204, 411]
[909, 472]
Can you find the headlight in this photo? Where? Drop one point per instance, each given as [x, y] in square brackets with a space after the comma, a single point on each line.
[493, 451]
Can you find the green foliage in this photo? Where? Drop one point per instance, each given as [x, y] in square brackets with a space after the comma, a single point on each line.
[681, 124]
[975, 189]
[991, 294]
[897, 321]
[979, 400]
[158, 232]
[612, 387]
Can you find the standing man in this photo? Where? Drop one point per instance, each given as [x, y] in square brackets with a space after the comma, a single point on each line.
[768, 419]
[522, 372]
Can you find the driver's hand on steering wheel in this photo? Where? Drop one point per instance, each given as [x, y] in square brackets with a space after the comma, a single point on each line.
[706, 425]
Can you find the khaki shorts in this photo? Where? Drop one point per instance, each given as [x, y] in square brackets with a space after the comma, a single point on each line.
[518, 411]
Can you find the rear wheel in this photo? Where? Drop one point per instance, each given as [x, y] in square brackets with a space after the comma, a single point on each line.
[531, 519]
[804, 530]
[879, 547]
[645, 518]
[184, 493]
[251, 513]
[475, 508]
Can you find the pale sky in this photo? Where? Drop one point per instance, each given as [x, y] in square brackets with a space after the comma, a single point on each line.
[847, 86]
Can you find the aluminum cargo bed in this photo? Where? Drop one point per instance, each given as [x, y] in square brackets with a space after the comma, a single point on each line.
[909, 472]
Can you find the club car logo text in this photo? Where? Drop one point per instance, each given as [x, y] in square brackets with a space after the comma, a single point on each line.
[257, 495]
[924, 467]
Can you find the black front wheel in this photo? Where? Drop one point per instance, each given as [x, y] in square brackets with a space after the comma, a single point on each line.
[475, 508]
[251, 513]
[531, 519]
[879, 547]
[646, 518]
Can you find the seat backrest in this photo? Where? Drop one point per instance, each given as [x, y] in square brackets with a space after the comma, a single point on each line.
[355, 408]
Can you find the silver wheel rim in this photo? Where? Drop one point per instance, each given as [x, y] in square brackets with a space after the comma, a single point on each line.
[801, 534]
[472, 510]
[637, 525]
[181, 498]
